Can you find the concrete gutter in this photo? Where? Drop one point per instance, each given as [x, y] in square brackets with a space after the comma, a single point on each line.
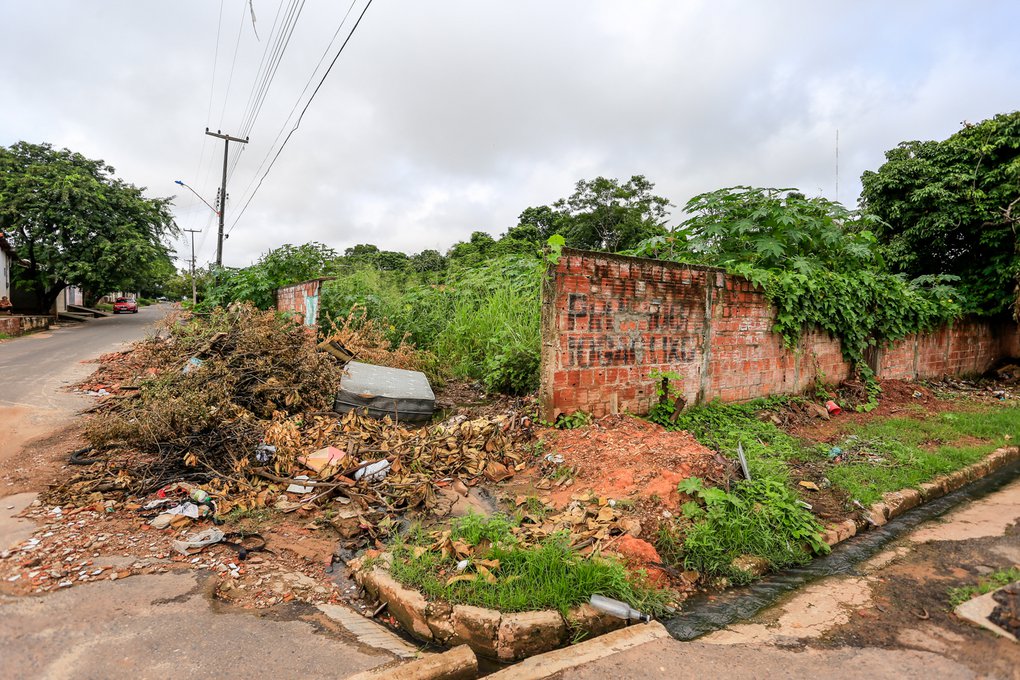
[550, 663]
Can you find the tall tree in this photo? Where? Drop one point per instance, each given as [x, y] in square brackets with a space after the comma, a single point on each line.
[953, 207]
[279, 267]
[76, 223]
[772, 229]
[603, 214]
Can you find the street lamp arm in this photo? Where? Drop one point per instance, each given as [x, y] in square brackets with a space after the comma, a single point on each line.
[177, 181]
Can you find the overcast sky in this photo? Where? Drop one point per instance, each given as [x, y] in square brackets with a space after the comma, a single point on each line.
[445, 117]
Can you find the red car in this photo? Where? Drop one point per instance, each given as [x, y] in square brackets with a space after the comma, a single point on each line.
[125, 305]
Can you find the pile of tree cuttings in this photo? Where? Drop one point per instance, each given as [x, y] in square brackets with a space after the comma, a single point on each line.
[236, 403]
[210, 387]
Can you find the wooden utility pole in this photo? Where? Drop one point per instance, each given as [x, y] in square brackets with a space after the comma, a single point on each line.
[194, 290]
[227, 139]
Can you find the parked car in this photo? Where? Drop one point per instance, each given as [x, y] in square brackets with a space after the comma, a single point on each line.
[125, 305]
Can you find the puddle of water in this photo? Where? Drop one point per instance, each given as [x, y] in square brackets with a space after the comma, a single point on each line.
[701, 615]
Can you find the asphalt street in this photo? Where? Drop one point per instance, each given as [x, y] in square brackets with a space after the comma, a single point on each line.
[34, 367]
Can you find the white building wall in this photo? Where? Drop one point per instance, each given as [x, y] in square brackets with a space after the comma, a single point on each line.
[5, 274]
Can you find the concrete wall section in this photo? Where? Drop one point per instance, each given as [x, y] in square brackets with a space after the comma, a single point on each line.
[610, 323]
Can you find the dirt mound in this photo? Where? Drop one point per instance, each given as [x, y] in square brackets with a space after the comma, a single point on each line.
[627, 458]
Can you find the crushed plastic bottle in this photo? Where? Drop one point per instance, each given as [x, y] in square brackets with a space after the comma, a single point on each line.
[620, 610]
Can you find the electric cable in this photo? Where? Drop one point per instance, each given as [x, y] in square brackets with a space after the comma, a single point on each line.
[297, 124]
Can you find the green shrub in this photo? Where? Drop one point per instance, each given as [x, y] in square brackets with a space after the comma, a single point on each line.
[760, 517]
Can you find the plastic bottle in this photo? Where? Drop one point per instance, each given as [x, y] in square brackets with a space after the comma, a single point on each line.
[199, 495]
[620, 610]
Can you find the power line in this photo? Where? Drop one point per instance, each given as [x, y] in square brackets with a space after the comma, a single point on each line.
[212, 90]
[271, 69]
[265, 76]
[297, 124]
[233, 63]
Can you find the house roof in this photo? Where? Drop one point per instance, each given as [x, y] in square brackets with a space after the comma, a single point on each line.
[6, 246]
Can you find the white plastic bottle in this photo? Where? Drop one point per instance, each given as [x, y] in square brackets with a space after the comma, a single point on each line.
[620, 610]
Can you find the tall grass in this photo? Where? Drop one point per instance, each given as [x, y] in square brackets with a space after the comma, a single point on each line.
[482, 323]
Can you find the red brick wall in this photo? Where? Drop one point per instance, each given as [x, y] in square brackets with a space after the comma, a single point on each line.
[292, 299]
[609, 321]
[10, 325]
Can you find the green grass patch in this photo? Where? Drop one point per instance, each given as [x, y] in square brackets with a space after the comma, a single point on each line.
[987, 584]
[548, 575]
[722, 426]
[760, 517]
[895, 453]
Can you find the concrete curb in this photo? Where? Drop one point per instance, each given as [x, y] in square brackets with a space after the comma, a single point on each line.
[544, 665]
[506, 637]
[895, 503]
[458, 663]
[978, 609]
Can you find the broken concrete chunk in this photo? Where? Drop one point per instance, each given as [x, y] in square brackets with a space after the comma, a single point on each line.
[525, 634]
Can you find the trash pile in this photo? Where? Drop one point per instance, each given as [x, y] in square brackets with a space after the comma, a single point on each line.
[230, 412]
[207, 387]
[373, 469]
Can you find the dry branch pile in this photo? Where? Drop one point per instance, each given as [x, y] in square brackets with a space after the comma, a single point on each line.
[210, 387]
[237, 402]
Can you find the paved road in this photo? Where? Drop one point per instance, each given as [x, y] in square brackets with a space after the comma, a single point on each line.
[35, 366]
[892, 620]
[35, 369]
[146, 626]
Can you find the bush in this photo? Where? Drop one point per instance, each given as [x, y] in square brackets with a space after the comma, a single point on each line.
[759, 517]
[549, 575]
[482, 323]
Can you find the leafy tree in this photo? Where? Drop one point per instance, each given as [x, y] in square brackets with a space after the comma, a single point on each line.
[603, 214]
[391, 260]
[279, 267]
[428, 261]
[774, 229]
[544, 219]
[471, 252]
[362, 251]
[76, 223]
[953, 207]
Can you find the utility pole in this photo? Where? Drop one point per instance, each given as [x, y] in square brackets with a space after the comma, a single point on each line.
[227, 139]
[194, 290]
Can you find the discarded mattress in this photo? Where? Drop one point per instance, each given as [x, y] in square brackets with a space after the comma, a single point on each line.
[403, 395]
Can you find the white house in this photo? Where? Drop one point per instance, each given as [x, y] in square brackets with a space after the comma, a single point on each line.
[7, 260]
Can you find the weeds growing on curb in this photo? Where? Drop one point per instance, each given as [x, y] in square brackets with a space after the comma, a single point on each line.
[986, 584]
[501, 573]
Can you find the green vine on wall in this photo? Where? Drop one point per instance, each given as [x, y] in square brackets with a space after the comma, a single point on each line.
[861, 308]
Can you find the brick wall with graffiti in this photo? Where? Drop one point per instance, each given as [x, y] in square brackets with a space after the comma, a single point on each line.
[612, 324]
[301, 300]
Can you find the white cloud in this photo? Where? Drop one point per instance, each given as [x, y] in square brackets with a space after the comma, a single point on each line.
[446, 117]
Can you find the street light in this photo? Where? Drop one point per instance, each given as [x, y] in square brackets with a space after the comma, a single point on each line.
[177, 181]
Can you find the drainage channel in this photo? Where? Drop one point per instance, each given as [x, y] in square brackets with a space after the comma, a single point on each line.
[702, 615]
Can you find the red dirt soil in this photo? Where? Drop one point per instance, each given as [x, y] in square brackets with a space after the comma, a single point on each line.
[625, 458]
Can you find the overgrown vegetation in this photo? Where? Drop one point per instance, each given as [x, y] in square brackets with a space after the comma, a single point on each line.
[482, 322]
[760, 517]
[501, 573]
[985, 584]
[951, 207]
[723, 426]
[875, 457]
[817, 262]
